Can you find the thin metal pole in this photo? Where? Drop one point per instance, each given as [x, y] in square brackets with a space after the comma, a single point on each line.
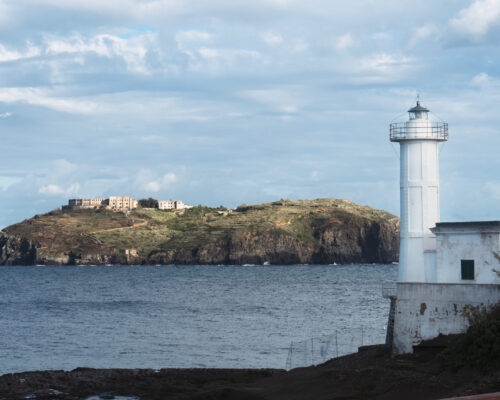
[289, 358]
[312, 351]
[336, 343]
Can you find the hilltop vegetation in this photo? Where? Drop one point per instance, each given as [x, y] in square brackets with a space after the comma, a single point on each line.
[281, 232]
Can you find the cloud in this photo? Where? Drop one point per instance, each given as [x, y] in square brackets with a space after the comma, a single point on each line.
[215, 59]
[378, 67]
[421, 33]
[57, 178]
[300, 46]
[485, 81]
[7, 55]
[164, 183]
[385, 63]
[154, 139]
[137, 9]
[226, 55]
[494, 189]
[381, 36]
[159, 84]
[344, 42]
[6, 181]
[42, 97]
[151, 107]
[56, 190]
[277, 100]
[477, 19]
[184, 38]
[205, 57]
[272, 39]
[132, 50]
[148, 181]
[5, 114]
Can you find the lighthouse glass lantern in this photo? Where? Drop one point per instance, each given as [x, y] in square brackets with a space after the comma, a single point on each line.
[419, 139]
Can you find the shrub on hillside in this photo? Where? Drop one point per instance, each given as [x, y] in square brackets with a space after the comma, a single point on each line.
[148, 203]
[479, 347]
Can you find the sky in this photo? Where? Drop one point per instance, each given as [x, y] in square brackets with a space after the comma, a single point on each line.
[224, 102]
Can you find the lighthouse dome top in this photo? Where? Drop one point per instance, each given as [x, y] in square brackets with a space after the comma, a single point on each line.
[418, 107]
[418, 112]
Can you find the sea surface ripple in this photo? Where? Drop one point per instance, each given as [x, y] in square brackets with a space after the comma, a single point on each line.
[181, 316]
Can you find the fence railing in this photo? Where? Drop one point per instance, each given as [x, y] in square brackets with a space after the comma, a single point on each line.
[389, 291]
[320, 349]
[435, 131]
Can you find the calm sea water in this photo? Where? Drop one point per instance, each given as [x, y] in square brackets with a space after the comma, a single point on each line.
[181, 316]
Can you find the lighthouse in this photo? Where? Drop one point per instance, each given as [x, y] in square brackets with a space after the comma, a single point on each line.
[419, 140]
[445, 268]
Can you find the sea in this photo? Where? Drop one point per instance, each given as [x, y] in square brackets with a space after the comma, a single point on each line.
[63, 317]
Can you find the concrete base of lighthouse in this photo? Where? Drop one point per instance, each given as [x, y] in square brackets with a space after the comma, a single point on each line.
[426, 310]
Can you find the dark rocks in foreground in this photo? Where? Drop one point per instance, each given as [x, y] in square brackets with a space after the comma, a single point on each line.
[370, 374]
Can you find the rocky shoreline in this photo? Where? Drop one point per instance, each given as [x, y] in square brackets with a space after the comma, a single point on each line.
[367, 374]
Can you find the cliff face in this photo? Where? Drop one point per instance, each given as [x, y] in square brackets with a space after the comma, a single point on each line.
[355, 242]
[322, 231]
[16, 251]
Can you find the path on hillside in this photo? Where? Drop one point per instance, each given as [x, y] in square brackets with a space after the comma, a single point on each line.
[121, 228]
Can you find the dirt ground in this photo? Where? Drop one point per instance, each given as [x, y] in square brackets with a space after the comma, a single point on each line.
[370, 374]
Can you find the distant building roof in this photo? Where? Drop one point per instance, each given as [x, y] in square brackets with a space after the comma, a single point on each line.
[490, 226]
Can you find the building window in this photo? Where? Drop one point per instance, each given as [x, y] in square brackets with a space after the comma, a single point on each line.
[467, 270]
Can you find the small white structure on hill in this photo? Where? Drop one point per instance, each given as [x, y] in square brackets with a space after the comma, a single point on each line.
[444, 268]
[172, 205]
[121, 203]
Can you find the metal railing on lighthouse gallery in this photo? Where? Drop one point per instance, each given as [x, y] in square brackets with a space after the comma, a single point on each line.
[434, 131]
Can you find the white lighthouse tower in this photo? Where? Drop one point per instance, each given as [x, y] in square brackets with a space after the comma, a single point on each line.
[445, 268]
[419, 194]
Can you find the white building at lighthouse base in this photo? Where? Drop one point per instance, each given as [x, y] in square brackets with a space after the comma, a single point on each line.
[467, 278]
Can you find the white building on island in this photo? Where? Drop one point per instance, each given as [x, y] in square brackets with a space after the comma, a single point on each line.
[172, 205]
[86, 203]
[445, 268]
[120, 203]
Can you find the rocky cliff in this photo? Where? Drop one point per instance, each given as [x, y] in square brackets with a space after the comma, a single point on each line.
[16, 251]
[322, 231]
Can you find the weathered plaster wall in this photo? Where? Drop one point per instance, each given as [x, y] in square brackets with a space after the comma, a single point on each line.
[424, 310]
[482, 247]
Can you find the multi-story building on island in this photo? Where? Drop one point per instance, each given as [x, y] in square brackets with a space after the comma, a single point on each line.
[172, 205]
[121, 203]
[85, 203]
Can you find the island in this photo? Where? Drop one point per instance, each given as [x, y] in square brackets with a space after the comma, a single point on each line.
[321, 231]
